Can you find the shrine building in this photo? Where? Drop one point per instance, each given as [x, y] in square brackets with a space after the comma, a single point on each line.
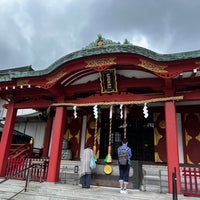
[105, 92]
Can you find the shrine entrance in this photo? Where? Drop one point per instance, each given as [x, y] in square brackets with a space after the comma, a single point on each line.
[139, 132]
[109, 74]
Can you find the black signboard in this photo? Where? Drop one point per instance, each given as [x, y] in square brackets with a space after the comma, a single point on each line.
[108, 81]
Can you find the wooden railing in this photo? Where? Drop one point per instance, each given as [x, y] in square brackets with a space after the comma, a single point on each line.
[21, 150]
[25, 168]
[16, 168]
[191, 181]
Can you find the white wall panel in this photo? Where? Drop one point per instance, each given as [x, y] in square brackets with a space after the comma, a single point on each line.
[180, 138]
[34, 129]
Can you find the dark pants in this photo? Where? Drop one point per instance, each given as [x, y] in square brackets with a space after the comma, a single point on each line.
[85, 180]
[124, 173]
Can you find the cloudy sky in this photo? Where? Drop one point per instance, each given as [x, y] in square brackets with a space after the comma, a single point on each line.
[38, 32]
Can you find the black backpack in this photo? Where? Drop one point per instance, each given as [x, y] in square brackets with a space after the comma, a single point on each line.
[123, 156]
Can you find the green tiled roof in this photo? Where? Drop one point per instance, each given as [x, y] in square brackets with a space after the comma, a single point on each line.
[108, 47]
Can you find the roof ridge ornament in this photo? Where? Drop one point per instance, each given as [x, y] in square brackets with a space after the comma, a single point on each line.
[127, 42]
[101, 41]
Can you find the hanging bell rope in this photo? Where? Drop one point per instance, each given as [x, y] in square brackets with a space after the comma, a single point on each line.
[125, 116]
[108, 158]
[95, 110]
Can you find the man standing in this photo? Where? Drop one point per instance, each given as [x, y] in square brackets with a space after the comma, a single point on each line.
[124, 155]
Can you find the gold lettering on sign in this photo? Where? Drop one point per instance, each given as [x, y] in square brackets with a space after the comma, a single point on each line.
[109, 85]
[153, 67]
[23, 82]
[56, 77]
[108, 81]
[101, 62]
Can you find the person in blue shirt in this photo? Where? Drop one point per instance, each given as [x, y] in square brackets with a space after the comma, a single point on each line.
[124, 169]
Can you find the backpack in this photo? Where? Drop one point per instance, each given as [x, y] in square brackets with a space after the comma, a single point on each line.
[123, 156]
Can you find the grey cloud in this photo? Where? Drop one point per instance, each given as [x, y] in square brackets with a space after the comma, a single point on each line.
[39, 32]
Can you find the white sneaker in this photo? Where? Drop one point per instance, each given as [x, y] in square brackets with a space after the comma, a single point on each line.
[125, 191]
[122, 190]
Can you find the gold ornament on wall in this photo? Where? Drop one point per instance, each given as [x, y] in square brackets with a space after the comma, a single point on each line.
[152, 66]
[101, 62]
[56, 77]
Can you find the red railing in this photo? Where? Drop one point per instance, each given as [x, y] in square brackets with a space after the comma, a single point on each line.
[20, 150]
[191, 181]
[16, 168]
[39, 170]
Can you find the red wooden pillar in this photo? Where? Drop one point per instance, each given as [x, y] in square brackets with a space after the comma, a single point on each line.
[172, 145]
[47, 136]
[6, 138]
[56, 147]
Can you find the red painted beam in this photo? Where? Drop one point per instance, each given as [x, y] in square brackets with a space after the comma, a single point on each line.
[123, 85]
[40, 103]
[187, 82]
[193, 95]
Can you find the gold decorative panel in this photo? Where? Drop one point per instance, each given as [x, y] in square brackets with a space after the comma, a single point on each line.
[100, 62]
[152, 66]
[56, 77]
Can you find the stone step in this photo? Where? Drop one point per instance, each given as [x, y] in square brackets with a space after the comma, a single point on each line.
[56, 191]
[155, 180]
[10, 188]
[52, 191]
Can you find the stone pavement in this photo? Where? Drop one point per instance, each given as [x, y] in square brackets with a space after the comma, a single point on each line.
[56, 191]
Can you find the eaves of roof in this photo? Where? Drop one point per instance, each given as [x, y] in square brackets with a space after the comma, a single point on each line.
[102, 50]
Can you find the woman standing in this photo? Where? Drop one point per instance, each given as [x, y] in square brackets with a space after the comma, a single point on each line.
[85, 170]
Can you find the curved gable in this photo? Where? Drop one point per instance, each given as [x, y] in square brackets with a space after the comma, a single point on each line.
[76, 76]
[106, 47]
